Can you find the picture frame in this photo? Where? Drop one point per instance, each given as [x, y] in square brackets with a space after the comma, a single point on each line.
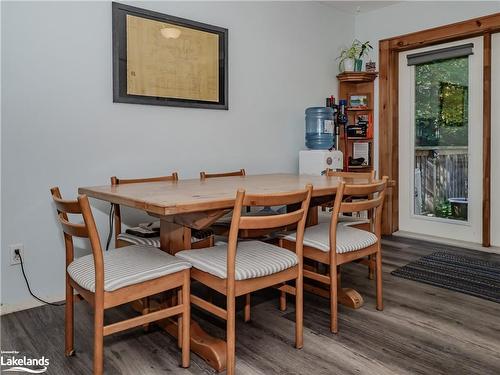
[159, 59]
[359, 101]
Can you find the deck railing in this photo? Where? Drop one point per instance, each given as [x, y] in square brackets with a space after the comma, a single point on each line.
[441, 172]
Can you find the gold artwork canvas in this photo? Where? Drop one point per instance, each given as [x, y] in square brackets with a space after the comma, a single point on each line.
[170, 61]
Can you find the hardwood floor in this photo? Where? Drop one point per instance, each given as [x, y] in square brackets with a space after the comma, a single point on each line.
[422, 330]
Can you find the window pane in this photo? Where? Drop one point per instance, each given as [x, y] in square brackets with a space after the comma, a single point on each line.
[441, 138]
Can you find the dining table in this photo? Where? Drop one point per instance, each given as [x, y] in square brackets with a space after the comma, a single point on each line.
[184, 205]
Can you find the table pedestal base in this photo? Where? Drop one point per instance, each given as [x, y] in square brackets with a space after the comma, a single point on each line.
[346, 296]
[211, 349]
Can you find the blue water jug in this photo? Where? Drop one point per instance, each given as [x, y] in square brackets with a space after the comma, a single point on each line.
[319, 128]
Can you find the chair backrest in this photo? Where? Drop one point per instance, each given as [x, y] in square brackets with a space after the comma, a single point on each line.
[120, 181]
[370, 176]
[205, 175]
[88, 229]
[297, 216]
[116, 207]
[372, 194]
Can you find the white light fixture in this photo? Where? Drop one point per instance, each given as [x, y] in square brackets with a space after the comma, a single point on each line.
[170, 32]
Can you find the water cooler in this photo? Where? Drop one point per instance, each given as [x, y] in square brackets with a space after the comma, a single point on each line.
[320, 141]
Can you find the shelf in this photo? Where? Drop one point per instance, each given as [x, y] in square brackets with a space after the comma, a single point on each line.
[358, 109]
[357, 76]
[357, 83]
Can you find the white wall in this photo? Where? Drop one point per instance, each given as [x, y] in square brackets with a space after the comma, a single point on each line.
[407, 17]
[60, 127]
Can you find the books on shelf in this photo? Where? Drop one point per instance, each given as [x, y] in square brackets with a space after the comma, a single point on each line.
[361, 150]
[362, 129]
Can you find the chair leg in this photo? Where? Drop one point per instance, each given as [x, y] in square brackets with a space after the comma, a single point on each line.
[246, 312]
[370, 267]
[186, 319]
[231, 336]
[69, 349]
[299, 312]
[380, 302]
[98, 339]
[333, 298]
[179, 319]
[146, 303]
[283, 300]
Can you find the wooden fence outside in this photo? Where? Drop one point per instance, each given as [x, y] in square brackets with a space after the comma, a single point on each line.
[440, 173]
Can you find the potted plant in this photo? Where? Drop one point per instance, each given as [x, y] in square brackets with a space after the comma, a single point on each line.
[351, 59]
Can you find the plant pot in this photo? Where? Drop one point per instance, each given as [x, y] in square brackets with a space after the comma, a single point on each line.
[348, 65]
[358, 65]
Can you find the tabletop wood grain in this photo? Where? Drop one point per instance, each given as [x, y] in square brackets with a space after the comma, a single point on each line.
[183, 196]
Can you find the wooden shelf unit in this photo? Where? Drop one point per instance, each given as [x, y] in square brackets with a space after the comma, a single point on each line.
[356, 83]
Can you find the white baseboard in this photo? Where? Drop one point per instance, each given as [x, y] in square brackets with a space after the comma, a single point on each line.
[8, 308]
[447, 241]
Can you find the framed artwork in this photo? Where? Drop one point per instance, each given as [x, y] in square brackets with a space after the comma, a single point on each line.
[358, 101]
[165, 60]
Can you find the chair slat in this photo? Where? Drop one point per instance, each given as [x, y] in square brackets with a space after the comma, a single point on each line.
[68, 207]
[361, 206]
[204, 175]
[274, 199]
[364, 189]
[120, 181]
[73, 229]
[270, 221]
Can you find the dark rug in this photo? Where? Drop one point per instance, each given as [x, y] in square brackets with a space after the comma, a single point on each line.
[459, 273]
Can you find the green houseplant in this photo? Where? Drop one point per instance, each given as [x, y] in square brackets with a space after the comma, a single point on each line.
[351, 58]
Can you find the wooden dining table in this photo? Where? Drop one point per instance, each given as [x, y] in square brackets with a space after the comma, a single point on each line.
[189, 204]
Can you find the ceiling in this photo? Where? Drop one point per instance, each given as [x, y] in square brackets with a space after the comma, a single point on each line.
[356, 7]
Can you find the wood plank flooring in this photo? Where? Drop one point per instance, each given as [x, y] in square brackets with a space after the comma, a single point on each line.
[422, 330]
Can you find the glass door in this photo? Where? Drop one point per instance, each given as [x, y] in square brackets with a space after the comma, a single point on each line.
[441, 142]
[440, 123]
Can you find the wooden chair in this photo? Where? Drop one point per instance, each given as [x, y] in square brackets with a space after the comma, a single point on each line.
[335, 244]
[356, 222]
[199, 238]
[222, 227]
[238, 268]
[369, 176]
[116, 277]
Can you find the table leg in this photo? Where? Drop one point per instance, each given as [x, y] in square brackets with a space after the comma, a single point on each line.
[312, 216]
[173, 238]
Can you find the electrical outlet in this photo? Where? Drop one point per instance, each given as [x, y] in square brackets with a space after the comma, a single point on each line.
[14, 258]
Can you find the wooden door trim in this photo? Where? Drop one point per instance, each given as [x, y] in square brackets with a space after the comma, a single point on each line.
[388, 105]
[486, 240]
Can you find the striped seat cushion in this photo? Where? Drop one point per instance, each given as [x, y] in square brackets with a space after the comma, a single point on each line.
[126, 266]
[348, 238]
[253, 259]
[196, 235]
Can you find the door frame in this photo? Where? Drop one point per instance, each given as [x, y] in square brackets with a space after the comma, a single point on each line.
[389, 108]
